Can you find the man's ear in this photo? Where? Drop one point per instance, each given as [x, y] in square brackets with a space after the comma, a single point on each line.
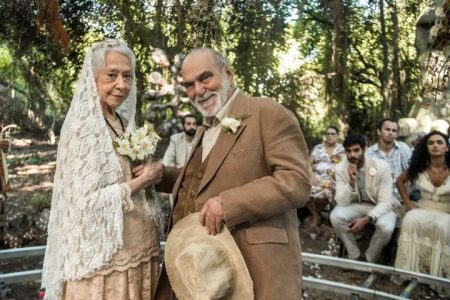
[378, 131]
[229, 72]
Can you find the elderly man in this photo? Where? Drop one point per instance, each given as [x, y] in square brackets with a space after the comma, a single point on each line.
[363, 196]
[248, 171]
[181, 143]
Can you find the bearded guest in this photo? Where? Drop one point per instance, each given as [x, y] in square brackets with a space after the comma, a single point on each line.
[103, 242]
[181, 143]
[363, 196]
[248, 171]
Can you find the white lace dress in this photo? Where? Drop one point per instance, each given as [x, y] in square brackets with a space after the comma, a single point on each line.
[132, 273]
[424, 243]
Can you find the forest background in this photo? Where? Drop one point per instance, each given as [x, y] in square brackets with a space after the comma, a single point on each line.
[331, 62]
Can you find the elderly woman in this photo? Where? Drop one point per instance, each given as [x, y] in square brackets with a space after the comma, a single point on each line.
[103, 241]
[424, 243]
[323, 158]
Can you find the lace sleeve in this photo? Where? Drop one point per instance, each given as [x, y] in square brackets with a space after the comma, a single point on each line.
[127, 203]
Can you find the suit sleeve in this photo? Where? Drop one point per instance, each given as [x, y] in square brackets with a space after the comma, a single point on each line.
[344, 192]
[170, 175]
[384, 196]
[169, 155]
[287, 187]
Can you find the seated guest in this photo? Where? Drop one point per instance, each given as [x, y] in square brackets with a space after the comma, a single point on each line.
[392, 151]
[363, 196]
[424, 243]
[323, 158]
[181, 143]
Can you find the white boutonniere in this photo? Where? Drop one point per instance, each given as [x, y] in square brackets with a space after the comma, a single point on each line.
[372, 171]
[231, 124]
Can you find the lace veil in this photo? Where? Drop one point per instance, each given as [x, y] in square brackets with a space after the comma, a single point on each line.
[86, 219]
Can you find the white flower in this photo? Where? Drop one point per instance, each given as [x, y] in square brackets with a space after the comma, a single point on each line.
[372, 171]
[135, 139]
[123, 147]
[141, 133]
[148, 146]
[230, 124]
[137, 146]
[136, 153]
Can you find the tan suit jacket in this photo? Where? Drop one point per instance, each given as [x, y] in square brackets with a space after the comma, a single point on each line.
[175, 155]
[261, 173]
[378, 182]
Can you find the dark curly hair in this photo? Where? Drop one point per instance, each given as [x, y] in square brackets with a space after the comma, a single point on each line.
[420, 159]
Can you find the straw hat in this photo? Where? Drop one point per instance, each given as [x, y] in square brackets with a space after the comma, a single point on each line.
[202, 266]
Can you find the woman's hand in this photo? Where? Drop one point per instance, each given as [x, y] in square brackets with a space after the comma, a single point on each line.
[150, 173]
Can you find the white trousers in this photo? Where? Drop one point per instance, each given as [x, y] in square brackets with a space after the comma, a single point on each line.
[341, 216]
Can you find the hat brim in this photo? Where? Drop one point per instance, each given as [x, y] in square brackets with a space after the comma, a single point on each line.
[189, 230]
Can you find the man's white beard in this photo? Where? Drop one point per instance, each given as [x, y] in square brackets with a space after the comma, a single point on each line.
[220, 95]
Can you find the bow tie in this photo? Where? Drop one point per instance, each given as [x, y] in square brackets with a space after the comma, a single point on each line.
[211, 122]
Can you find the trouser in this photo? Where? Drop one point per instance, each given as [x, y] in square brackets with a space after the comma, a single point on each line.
[341, 216]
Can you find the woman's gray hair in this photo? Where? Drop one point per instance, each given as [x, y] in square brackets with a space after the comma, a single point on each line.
[111, 45]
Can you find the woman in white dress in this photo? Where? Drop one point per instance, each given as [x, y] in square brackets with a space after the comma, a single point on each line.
[424, 243]
[103, 241]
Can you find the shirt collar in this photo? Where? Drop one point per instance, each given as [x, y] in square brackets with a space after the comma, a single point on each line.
[396, 146]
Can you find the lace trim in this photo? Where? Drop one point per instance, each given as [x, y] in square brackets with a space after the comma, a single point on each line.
[413, 248]
[144, 255]
[127, 203]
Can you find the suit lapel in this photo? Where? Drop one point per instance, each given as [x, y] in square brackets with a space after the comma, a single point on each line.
[369, 178]
[225, 141]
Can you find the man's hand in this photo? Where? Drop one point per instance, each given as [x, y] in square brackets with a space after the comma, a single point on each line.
[211, 215]
[352, 171]
[358, 224]
[411, 205]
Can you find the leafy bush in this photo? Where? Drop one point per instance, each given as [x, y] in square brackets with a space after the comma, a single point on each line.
[41, 200]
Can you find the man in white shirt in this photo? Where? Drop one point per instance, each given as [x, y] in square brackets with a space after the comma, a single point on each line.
[181, 143]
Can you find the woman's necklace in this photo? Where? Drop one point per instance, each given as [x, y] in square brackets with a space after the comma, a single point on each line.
[112, 128]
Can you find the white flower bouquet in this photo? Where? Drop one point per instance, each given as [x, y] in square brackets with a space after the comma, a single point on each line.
[137, 146]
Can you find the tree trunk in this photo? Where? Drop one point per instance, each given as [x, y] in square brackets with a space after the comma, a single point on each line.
[384, 76]
[396, 89]
[339, 60]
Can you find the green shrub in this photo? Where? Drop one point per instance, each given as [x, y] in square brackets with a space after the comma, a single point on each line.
[41, 200]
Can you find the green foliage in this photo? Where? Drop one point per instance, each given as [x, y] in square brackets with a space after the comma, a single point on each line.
[341, 75]
[41, 200]
[33, 159]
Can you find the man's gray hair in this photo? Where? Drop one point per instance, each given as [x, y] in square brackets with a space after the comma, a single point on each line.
[100, 51]
[219, 58]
